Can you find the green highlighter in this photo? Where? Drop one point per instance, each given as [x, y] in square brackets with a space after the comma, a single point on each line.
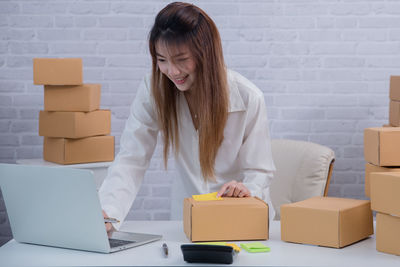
[255, 247]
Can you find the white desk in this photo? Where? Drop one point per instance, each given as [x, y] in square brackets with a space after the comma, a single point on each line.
[99, 168]
[282, 254]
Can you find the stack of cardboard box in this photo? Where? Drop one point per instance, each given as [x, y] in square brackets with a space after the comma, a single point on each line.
[382, 174]
[385, 199]
[75, 130]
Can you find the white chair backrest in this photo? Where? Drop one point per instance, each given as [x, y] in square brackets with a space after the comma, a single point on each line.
[302, 169]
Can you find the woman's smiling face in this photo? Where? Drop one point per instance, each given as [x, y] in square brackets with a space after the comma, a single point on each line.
[177, 64]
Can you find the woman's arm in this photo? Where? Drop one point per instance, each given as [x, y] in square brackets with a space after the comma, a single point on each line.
[255, 152]
[137, 145]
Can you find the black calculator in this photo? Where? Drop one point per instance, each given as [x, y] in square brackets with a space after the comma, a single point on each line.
[208, 253]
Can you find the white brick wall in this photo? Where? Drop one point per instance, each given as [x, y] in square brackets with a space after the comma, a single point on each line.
[324, 67]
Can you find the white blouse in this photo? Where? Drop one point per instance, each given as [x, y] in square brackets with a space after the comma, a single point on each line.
[244, 155]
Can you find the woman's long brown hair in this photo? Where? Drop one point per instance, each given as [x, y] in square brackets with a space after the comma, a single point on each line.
[181, 23]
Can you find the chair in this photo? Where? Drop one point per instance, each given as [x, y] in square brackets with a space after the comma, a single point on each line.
[303, 170]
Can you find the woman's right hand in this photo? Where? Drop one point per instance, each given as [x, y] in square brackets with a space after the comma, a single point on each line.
[109, 226]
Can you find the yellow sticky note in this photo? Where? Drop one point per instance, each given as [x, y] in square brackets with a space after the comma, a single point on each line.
[206, 197]
[235, 247]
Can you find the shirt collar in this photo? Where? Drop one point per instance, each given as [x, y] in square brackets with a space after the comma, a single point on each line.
[235, 99]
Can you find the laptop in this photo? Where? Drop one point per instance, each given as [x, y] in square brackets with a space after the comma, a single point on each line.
[59, 207]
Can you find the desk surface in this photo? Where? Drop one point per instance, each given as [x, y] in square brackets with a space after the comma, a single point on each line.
[42, 162]
[282, 253]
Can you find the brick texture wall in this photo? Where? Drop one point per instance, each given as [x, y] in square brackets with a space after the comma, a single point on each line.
[324, 67]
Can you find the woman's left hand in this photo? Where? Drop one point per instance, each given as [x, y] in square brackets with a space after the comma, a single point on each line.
[233, 189]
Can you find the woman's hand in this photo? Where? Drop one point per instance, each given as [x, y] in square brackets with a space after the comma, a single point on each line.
[109, 226]
[233, 189]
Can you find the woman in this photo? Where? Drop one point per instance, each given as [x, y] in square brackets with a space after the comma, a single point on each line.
[213, 119]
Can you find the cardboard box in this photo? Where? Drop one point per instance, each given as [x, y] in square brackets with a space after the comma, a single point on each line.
[326, 221]
[372, 168]
[382, 146]
[83, 150]
[385, 192]
[227, 219]
[57, 71]
[74, 124]
[394, 113]
[84, 97]
[394, 92]
[388, 233]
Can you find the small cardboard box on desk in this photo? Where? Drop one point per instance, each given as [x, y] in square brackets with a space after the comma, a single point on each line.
[385, 199]
[226, 219]
[326, 221]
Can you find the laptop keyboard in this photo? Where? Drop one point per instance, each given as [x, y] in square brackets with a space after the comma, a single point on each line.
[117, 242]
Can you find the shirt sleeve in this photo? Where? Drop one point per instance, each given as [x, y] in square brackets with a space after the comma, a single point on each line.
[138, 141]
[255, 153]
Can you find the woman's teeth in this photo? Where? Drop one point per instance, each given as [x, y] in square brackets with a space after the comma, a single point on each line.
[180, 80]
